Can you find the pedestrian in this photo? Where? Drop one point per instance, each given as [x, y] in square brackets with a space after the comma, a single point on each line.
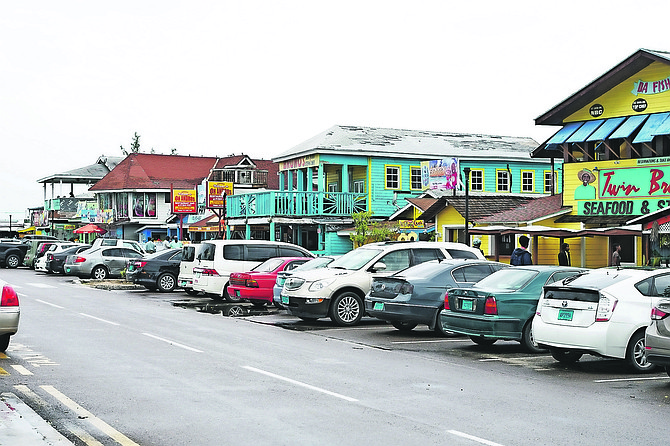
[478, 244]
[564, 255]
[616, 255]
[166, 242]
[159, 244]
[149, 246]
[521, 256]
[175, 243]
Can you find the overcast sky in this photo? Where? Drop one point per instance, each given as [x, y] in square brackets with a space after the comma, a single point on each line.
[79, 78]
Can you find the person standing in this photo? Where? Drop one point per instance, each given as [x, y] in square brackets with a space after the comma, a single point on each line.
[175, 243]
[149, 246]
[616, 255]
[564, 255]
[521, 256]
[166, 242]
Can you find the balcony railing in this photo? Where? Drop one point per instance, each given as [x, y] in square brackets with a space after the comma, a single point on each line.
[251, 177]
[296, 204]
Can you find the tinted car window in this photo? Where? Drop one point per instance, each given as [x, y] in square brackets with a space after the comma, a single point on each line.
[260, 253]
[645, 287]
[269, 265]
[285, 251]
[232, 252]
[188, 253]
[112, 252]
[293, 265]
[426, 255]
[460, 254]
[661, 283]
[108, 242]
[396, 260]
[508, 279]
[130, 253]
[208, 251]
[471, 273]
[177, 256]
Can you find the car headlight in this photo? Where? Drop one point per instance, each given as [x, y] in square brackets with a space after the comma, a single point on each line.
[321, 284]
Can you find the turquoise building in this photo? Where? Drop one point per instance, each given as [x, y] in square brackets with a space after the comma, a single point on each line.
[348, 169]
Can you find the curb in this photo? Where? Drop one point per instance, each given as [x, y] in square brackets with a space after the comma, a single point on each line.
[21, 426]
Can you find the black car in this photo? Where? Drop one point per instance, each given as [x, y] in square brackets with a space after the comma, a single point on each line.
[55, 261]
[158, 271]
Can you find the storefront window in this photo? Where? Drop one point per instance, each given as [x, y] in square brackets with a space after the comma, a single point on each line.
[105, 201]
[144, 205]
[122, 205]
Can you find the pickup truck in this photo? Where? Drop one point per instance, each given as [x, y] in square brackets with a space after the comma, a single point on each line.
[12, 254]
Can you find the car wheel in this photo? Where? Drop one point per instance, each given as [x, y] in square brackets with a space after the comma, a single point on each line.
[346, 309]
[4, 342]
[481, 340]
[12, 261]
[636, 354]
[528, 340]
[565, 356]
[99, 273]
[234, 311]
[404, 326]
[166, 283]
[228, 297]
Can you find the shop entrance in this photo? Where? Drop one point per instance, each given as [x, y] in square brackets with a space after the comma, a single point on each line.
[627, 243]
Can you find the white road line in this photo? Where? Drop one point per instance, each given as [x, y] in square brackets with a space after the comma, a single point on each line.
[22, 370]
[48, 303]
[630, 379]
[83, 435]
[98, 319]
[40, 285]
[301, 384]
[176, 344]
[473, 438]
[88, 416]
[30, 394]
[432, 341]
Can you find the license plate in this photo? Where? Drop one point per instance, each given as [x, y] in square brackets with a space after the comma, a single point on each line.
[237, 293]
[197, 274]
[466, 305]
[565, 315]
[67, 270]
[284, 300]
[379, 306]
[182, 283]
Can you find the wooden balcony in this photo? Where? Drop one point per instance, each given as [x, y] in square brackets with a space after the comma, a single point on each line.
[296, 204]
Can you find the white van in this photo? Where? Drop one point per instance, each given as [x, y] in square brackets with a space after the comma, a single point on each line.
[190, 258]
[219, 258]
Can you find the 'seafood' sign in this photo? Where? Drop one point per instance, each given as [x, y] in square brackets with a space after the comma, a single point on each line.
[216, 190]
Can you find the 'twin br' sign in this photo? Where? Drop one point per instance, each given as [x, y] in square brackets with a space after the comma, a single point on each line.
[216, 191]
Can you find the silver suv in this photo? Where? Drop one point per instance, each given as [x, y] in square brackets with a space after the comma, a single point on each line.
[338, 291]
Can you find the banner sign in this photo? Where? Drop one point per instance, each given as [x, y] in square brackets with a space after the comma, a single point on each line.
[651, 87]
[184, 201]
[216, 190]
[299, 163]
[411, 224]
[440, 174]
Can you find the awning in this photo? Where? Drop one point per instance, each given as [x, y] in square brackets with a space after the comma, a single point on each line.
[585, 131]
[563, 134]
[605, 130]
[651, 128]
[546, 231]
[628, 127]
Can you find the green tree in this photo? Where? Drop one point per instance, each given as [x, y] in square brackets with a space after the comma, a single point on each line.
[368, 231]
[134, 146]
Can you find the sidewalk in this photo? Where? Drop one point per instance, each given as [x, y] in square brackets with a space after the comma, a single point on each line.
[21, 426]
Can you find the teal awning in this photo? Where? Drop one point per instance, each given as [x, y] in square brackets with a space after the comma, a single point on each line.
[563, 134]
[585, 130]
[605, 130]
[627, 128]
[653, 127]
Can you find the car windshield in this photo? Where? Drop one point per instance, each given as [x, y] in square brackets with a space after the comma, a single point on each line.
[317, 263]
[356, 259]
[269, 265]
[508, 279]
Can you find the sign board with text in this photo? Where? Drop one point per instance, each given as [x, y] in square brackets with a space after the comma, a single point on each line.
[216, 191]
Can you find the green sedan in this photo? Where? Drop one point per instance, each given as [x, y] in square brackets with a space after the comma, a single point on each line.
[502, 305]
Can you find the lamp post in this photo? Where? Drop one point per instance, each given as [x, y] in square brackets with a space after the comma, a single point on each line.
[466, 171]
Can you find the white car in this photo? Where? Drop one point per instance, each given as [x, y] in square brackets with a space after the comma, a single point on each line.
[42, 261]
[9, 314]
[604, 312]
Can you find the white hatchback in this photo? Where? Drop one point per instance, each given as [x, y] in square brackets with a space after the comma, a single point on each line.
[603, 312]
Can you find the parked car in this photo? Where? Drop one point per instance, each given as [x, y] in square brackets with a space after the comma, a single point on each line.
[657, 336]
[12, 253]
[220, 258]
[49, 248]
[157, 271]
[104, 241]
[338, 290]
[55, 261]
[415, 295]
[190, 258]
[604, 312]
[319, 262]
[100, 263]
[10, 313]
[502, 305]
[256, 285]
[33, 248]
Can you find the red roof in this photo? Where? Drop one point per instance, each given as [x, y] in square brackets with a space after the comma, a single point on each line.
[533, 210]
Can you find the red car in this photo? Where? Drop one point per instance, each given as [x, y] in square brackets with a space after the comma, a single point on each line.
[256, 285]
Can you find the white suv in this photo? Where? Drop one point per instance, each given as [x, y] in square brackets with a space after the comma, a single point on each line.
[604, 312]
[338, 291]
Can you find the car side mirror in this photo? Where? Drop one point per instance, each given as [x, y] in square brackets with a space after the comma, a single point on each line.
[379, 266]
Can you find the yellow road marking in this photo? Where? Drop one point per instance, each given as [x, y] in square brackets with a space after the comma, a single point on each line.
[3, 372]
[3, 356]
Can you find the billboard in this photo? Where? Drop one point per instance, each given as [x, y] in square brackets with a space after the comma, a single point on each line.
[184, 201]
[216, 190]
[440, 174]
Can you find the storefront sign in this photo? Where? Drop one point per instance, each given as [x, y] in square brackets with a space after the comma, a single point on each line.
[651, 87]
[184, 201]
[216, 191]
[411, 224]
[299, 163]
[440, 174]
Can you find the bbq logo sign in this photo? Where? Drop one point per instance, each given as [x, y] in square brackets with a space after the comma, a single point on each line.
[641, 187]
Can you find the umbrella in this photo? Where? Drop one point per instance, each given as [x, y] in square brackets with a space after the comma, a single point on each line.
[88, 229]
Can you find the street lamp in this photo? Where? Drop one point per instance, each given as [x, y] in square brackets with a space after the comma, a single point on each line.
[466, 171]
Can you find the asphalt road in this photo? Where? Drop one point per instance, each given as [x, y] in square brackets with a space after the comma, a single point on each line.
[137, 367]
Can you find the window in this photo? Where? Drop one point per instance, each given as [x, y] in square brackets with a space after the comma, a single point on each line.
[332, 187]
[471, 273]
[122, 205]
[502, 180]
[549, 180]
[396, 260]
[415, 178]
[230, 252]
[527, 181]
[358, 187]
[425, 255]
[392, 177]
[260, 253]
[477, 180]
[144, 205]
[461, 254]
[285, 251]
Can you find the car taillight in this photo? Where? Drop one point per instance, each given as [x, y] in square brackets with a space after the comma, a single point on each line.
[658, 314]
[9, 297]
[208, 272]
[79, 259]
[50, 256]
[446, 301]
[139, 264]
[490, 306]
[406, 288]
[251, 283]
[606, 306]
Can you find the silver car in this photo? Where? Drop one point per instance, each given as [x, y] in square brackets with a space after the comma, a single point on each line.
[100, 263]
[657, 336]
[9, 314]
